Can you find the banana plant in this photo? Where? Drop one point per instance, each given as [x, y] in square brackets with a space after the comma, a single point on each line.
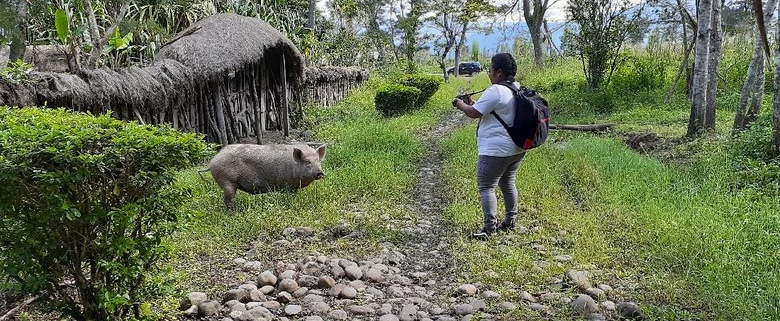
[68, 38]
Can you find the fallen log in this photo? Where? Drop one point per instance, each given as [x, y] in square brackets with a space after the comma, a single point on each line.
[13, 311]
[587, 128]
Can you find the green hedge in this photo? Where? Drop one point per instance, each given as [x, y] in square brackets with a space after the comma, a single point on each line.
[427, 84]
[88, 199]
[395, 99]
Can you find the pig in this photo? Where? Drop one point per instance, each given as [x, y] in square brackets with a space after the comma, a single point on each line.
[264, 168]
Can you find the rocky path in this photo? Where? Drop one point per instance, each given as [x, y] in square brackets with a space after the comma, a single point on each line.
[413, 280]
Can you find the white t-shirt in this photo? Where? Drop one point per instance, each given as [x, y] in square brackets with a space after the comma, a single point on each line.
[492, 137]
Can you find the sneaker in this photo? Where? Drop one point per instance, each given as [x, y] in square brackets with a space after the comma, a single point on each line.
[506, 226]
[483, 234]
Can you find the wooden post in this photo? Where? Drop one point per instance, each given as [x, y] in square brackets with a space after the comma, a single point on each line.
[263, 91]
[285, 105]
[256, 105]
[219, 113]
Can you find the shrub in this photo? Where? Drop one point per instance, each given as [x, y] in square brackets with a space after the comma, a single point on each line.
[639, 73]
[88, 200]
[394, 99]
[428, 85]
[753, 155]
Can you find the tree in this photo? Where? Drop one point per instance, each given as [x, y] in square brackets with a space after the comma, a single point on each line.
[18, 31]
[604, 26]
[473, 10]
[753, 87]
[533, 12]
[705, 67]
[444, 20]
[409, 26]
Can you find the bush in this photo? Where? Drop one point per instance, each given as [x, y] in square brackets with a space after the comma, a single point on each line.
[395, 99]
[639, 73]
[428, 85]
[88, 200]
[753, 155]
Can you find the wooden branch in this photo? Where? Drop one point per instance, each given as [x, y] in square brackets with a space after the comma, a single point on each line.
[97, 50]
[186, 33]
[13, 311]
[587, 128]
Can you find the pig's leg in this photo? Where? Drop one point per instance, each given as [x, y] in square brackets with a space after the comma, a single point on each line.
[230, 193]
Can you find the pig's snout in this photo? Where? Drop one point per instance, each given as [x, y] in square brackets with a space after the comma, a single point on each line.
[319, 175]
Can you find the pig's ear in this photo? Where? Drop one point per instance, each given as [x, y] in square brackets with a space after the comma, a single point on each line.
[321, 151]
[297, 155]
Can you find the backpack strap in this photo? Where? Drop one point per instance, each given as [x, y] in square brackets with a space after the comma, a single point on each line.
[515, 92]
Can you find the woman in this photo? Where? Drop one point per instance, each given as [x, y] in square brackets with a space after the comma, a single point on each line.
[499, 157]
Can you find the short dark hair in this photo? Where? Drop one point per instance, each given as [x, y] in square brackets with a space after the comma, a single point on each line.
[505, 62]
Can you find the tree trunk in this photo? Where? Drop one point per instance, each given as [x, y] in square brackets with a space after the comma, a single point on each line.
[459, 46]
[97, 44]
[713, 66]
[776, 102]
[700, 68]
[18, 38]
[312, 10]
[753, 88]
[534, 16]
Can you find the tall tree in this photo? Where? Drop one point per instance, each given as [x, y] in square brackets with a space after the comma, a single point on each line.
[753, 87]
[469, 14]
[603, 28]
[533, 12]
[702, 71]
[444, 19]
[18, 38]
[776, 101]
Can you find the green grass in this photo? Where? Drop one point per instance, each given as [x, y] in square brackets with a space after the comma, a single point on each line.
[682, 241]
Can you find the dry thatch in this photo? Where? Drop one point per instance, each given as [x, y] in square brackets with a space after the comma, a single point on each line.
[327, 85]
[227, 42]
[227, 76]
[129, 92]
[43, 57]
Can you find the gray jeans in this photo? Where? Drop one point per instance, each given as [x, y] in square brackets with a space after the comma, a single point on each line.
[501, 171]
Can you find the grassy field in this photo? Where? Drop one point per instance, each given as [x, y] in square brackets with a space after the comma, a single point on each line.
[688, 230]
[681, 240]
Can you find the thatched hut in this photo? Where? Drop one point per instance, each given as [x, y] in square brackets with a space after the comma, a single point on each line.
[245, 70]
[227, 76]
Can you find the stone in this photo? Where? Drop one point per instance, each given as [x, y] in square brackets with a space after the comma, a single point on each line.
[284, 297]
[192, 311]
[594, 293]
[608, 305]
[272, 305]
[336, 290]
[563, 258]
[464, 309]
[337, 271]
[374, 275]
[348, 293]
[527, 296]
[490, 295]
[311, 268]
[292, 309]
[248, 287]
[386, 309]
[266, 278]
[236, 294]
[353, 272]
[629, 310]
[313, 318]
[361, 309]
[257, 296]
[287, 274]
[196, 298]
[325, 282]
[579, 278]
[338, 315]
[268, 289]
[408, 312]
[389, 317]
[507, 306]
[308, 281]
[238, 307]
[584, 305]
[318, 307]
[467, 289]
[288, 285]
[208, 308]
[538, 307]
[301, 291]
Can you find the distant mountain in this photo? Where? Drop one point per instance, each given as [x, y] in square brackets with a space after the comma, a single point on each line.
[506, 34]
[490, 41]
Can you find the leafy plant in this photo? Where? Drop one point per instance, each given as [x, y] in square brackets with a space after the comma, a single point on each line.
[88, 200]
[428, 85]
[394, 99]
[16, 72]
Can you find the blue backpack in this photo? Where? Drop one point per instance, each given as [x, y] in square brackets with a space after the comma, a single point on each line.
[532, 117]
